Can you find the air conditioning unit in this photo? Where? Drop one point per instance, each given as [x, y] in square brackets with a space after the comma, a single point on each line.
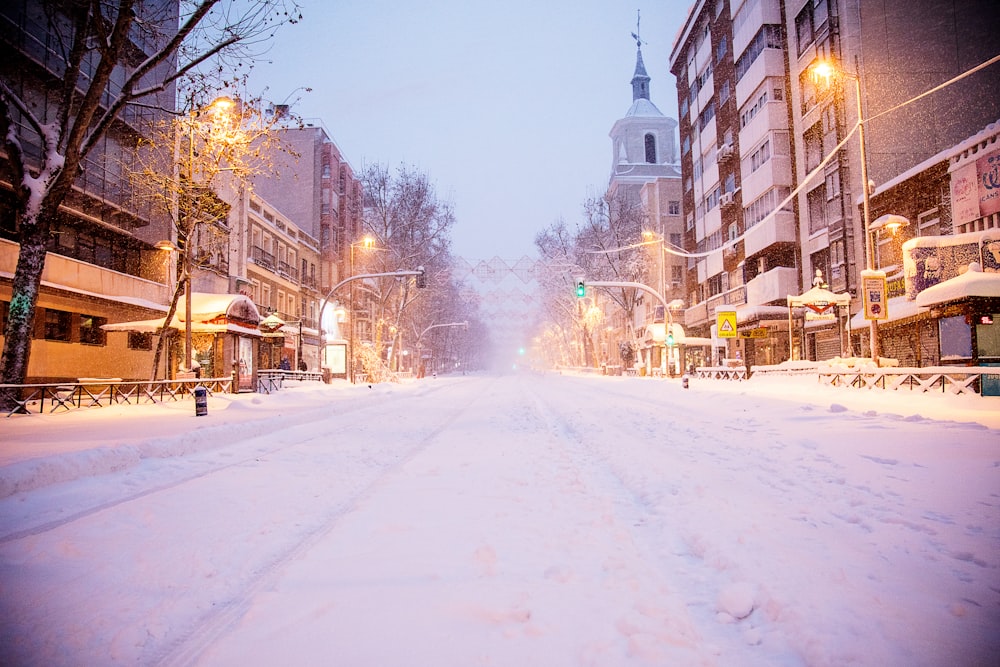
[726, 199]
[725, 152]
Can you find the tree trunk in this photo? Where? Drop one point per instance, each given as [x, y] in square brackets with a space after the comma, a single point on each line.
[21, 320]
[165, 330]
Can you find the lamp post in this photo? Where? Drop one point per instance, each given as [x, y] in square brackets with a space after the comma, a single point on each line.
[220, 105]
[825, 71]
[657, 238]
[367, 242]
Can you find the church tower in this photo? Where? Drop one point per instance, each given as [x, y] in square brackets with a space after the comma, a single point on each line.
[643, 144]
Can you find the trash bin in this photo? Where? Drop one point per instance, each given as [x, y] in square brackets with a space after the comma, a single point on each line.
[200, 401]
[684, 382]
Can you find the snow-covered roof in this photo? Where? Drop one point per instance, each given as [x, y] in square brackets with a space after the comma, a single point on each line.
[210, 313]
[974, 282]
[817, 296]
[643, 107]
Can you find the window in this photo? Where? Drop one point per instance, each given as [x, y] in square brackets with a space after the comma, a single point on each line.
[58, 325]
[712, 199]
[804, 28]
[326, 170]
[929, 223]
[690, 222]
[768, 37]
[813, 140]
[676, 274]
[650, 142]
[817, 209]
[730, 185]
[686, 145]
[720, 49]
[760, 156]
[673, 207]
[91, 332]
[832, 185]
[724, 92]
[750, 112]
[956, 338]
[707, 115]
[140, 341]
[684, 106]
[675, 239]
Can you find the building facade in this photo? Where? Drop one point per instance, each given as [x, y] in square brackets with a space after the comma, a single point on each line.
[644, 171]
[771, 157]
[102, 264]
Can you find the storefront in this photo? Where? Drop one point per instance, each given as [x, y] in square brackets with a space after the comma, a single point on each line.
[225, 337]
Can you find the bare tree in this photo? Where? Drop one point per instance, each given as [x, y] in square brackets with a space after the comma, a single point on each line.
[98, 70]
[228, 142]
[609, 249]
[411, 227]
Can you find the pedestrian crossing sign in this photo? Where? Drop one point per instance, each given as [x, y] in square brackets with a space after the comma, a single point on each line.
[726, 324]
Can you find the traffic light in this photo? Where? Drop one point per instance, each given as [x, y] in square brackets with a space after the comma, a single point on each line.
[670, 340]
[581, 289]
[421, 277]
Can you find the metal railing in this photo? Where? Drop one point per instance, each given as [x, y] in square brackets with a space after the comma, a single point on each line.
[40, 398]
[956, 380]
[272, 380]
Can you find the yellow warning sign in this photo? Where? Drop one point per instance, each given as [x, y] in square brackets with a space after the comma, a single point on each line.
[726, 322]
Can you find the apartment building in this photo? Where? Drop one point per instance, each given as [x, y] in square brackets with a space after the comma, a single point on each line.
[314, 184]
[102, 265]
[771, 157]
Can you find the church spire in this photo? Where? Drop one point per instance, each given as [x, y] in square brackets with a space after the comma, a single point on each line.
[640, 80]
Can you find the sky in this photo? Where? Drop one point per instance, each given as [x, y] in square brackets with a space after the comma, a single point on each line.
[505, 105]
[555, 519]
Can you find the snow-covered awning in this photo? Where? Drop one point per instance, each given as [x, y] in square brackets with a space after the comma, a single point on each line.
[819, 299]
[210, 313]
[973, 282]
[898, 307]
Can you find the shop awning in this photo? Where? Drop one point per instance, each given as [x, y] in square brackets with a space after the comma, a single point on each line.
[210, 313]
[974, 282]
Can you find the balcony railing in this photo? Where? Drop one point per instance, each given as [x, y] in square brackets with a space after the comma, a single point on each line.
[262, 258]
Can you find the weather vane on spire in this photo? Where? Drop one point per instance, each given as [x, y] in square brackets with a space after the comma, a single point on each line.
[635, 35]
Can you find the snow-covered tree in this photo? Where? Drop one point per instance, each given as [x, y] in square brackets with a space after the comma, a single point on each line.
[225, 143]
[50, 126]
[410, 227]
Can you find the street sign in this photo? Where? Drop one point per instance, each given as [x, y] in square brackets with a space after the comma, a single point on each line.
[874, 290]
[759, 332]
[726, 322]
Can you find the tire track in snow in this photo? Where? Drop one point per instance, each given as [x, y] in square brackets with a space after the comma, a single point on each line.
[266, 430]
[696, 588]
[187, 650]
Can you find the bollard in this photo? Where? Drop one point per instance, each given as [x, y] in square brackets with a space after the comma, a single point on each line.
[684, 382]
[200, 401]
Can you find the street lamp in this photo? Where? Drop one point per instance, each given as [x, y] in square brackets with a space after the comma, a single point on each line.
[217, 108]
[369, 244]
[657, 238]
[825, 71]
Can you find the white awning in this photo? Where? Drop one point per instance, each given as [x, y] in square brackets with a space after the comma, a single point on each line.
[210, 313]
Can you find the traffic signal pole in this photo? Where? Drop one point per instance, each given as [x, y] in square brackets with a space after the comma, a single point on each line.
[638, 286]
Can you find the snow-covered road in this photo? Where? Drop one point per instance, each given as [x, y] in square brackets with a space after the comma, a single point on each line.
[549, 520]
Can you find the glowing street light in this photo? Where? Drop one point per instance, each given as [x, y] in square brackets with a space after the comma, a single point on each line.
[823, 72]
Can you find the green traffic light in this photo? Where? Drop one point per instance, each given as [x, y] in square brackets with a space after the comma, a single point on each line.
[581, 289]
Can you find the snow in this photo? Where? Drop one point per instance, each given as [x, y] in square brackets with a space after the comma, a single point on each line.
[522, 519]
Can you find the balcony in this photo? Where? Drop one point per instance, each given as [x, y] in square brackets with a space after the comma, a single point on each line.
[773, 286]
[776, 171]
[774, 116]
[286, 270]
[262, 258]
[770, 62]
[779, 228]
